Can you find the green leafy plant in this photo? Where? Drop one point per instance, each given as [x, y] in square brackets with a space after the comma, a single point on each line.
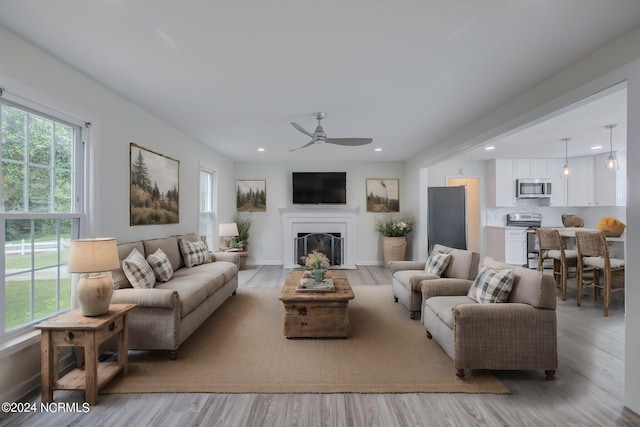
[243, 224]
[390, 227]
[316, 261]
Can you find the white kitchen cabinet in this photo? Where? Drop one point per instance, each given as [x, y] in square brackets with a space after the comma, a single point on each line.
[580, 184]
[503, 185]
[515, 246]
[558, 183]
[507, 244]
[531, 168]
[610, 187]
[590, 184]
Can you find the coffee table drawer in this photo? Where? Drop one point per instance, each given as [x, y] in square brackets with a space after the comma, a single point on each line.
[316, 320]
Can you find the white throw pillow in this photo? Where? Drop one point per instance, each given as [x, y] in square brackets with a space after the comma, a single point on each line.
[437, 264]
[194, 253]
[161, 265]
[491, 286]
[138, 271]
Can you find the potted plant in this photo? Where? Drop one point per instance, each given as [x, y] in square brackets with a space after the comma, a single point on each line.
[318, 263]
[241, 241]
[394, 233]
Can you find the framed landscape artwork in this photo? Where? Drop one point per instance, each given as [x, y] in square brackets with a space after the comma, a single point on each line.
[251, 195]
[154, 188]
[383, 195]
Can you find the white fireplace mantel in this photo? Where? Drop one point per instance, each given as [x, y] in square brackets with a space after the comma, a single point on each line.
[301, 220]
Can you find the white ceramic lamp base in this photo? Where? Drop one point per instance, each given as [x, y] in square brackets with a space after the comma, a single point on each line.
[94, 294]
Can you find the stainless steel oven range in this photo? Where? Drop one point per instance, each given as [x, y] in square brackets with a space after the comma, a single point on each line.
[528, 222]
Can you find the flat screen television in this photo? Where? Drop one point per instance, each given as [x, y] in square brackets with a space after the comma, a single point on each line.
[320, 188]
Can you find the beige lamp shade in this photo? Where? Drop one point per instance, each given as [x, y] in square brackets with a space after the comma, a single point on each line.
[228, 229]
[93, 255]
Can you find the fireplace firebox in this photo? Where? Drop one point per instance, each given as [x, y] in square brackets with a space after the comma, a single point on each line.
[330, 244]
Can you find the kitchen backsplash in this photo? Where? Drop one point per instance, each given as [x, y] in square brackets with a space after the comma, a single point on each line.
[552, 217]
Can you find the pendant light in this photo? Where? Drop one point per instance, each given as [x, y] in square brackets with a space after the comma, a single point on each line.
[566, 171]
[611, 163]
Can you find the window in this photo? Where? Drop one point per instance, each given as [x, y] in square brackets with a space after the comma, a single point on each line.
[208, 207]
[40, 212]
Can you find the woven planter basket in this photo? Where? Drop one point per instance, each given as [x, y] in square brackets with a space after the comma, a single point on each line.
[394, 249]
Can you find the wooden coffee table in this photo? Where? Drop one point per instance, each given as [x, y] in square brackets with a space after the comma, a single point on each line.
[316, 314]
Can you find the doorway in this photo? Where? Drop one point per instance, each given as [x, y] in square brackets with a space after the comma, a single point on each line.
[473, 208]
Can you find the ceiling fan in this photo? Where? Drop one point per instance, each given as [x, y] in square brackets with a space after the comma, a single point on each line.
[319, 136]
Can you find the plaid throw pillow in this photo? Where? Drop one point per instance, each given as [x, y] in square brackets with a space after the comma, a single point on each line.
[491, 286]
[194, 253]
[437, 263]
[138, 271]
[160, 265]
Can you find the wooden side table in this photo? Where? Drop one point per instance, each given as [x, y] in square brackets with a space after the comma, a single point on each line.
[72, 329]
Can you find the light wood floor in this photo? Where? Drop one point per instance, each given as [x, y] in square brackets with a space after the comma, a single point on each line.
[588, 390]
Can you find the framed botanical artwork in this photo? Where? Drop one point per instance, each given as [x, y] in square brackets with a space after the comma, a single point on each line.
[154, 196]
[383, 195]
[251, 195]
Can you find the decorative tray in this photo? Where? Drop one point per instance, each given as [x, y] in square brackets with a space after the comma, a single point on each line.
[309, 285]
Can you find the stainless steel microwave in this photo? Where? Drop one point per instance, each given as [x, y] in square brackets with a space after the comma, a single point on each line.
[533, 188]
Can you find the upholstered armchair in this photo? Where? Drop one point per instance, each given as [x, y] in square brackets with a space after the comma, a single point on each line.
[407, 276]
[518, 334]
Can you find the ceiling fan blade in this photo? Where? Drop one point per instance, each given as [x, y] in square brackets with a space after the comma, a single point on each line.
[301, 129]
[305, 145]
[349, 141]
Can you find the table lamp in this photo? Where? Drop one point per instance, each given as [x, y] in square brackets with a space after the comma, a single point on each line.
[94, 258]
[226, 231]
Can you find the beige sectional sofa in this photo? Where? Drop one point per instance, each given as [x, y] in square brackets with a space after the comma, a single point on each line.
[407, 276]
[170, 312]
[519, 334]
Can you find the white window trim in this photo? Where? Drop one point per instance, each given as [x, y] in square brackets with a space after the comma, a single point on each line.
[23, 337]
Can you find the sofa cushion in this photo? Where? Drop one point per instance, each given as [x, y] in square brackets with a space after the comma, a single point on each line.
[437, 264]
[491, 286]
[443, 307]
[212, 276]
[138, 270]
[161, 265]
[411, 279]
[529, 286]
[191, 237]
[191, 289]
[194, 253]
[169, 246]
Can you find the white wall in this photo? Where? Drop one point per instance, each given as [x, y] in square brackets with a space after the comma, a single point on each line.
[266, 229]
[27, 71]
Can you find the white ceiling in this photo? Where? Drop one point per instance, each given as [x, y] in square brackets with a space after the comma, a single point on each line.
[583, 124]
[233, 73]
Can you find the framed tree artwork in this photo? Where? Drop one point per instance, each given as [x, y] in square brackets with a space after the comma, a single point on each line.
[154, 196]
[251, 195]
[383, 195]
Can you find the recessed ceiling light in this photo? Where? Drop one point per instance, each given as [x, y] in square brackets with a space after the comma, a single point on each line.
[596, 147]
[261, 149]
[489, 147]
[378, 149]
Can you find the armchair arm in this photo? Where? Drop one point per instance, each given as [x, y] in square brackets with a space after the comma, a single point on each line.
[226, 256]
[406, 265]
[445, 287]
[505, 336]
[160, 298]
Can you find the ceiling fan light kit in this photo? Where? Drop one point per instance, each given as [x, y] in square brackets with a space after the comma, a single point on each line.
[319, 136]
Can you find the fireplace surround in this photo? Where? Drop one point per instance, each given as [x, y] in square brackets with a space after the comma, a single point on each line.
[297, 221]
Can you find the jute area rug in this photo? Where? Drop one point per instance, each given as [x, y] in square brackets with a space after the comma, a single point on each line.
[241, 349]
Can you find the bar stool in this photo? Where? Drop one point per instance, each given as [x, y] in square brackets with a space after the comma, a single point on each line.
[593, 253]
[551, 247]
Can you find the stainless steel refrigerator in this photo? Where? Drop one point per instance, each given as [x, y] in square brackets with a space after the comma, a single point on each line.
[447, 217]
